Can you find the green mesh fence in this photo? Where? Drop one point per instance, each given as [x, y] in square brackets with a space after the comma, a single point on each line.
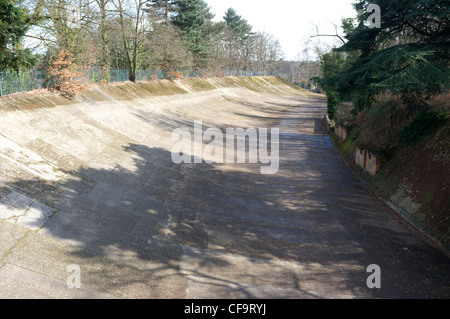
[14, 82]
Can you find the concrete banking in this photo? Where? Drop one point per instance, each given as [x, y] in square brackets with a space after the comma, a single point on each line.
[92, 205]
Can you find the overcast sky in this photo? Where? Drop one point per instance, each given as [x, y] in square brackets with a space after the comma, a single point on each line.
[290, 21]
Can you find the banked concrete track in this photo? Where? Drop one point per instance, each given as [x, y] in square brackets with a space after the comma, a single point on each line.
[91, 187]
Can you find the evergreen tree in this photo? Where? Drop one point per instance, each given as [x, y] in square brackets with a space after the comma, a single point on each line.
[408, 55]
[237, 40]
[237, 24]
[13, 27]
[163, 8]
[192, 16]
[332, 64]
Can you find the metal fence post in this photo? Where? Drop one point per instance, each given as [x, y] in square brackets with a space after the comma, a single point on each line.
[20, 81]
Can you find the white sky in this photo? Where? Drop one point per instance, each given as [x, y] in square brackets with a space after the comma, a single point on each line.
[290, 21]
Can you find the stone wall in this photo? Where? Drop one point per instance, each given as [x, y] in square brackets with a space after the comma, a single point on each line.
[367, 161]
[341, 132]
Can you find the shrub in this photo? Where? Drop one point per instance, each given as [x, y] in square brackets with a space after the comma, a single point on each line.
[425, 123]
[362, 103]
[63, 73]
[381, 126]
[174, 75]
[343, 115]
[440, 102]
[333, 101]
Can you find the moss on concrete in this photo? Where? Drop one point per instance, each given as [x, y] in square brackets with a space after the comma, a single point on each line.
[126, 91]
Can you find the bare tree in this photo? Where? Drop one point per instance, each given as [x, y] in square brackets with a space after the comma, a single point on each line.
[267, 51]
[133, 27]
[166, 50]
[64, 24]
[104, 25]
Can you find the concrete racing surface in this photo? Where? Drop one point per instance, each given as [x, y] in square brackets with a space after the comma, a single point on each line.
[93, 206]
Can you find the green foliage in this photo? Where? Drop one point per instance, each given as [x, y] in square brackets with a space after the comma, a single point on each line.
[361, 102]
[355, 134]
[13, 27]
[424, 124]
[163, 8]
[332, 63]
[238, 25]
[408, 55]
[333, 102]
[401, 69]
[12, 23]
[191, 17]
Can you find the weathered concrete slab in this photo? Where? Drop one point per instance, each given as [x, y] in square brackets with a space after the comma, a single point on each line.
[115, 273]
[20, 283]
[94, 185]
[22, 210]
[248, 277]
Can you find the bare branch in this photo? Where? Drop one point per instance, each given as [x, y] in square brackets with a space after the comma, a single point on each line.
[328, 35]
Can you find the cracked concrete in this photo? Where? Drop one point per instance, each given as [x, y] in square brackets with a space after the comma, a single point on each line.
[93, 184]
[24, 211]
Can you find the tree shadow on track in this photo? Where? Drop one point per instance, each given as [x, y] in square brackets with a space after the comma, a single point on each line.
[150, 228]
